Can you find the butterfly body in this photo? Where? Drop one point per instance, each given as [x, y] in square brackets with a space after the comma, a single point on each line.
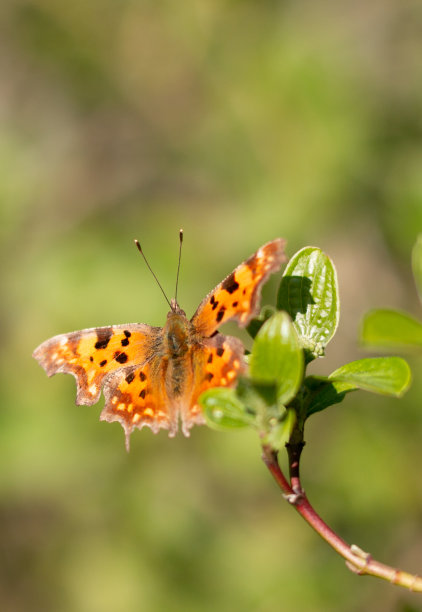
[179, 348]
[179, 334]
[153, 376]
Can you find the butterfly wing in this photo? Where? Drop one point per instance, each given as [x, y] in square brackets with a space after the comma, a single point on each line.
[136, 396]
[237, 296]
[217, 364]
[92, 354]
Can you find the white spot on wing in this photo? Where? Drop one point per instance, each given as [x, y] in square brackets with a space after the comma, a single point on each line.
[260, 253]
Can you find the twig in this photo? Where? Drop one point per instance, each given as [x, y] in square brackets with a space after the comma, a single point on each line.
[357, 560]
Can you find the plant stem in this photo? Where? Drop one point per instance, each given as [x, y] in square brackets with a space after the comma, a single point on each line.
[356, 559]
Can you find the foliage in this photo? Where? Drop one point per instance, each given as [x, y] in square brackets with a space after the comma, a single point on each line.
[278, 397]
[392, 328]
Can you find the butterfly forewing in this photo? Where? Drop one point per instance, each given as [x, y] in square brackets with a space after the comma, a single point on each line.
[237, 296]
[91, 354]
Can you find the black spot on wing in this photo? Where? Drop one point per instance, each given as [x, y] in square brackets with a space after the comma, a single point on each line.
[120, 357]
[129, 378]
[103, 362]
[230, 284]
[142, 376]
[220, 314]
[142, 393]
[124, 342]
[220, 351]
[213, 302]
[103, 337]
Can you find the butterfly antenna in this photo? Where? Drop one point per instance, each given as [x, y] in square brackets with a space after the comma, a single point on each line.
[150, 269]
[178, 265]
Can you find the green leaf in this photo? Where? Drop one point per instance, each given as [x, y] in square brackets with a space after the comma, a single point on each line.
[390, 328]
[417, 264]
[223, 409]
[260, 402]
[309, 293]
[385, 375]
[323, 393]
[277, 358]
[256, 323]
[280, 431]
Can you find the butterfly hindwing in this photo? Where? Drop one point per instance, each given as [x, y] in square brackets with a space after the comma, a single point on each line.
[136, 397]
[237, 296]
[220, 363]
[91, 354]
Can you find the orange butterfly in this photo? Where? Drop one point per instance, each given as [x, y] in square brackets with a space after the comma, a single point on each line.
[151, 375]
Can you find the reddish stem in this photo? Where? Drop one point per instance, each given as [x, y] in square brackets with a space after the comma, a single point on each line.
[356, 560]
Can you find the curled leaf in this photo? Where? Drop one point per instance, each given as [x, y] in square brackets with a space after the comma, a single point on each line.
[277, 357]
[309, 293]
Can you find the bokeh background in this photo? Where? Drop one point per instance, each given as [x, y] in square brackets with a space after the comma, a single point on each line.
[239, 121]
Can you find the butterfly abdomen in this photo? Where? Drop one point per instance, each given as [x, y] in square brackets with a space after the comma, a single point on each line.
[176, 376]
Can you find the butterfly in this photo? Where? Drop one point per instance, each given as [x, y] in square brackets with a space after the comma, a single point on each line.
[153, 376]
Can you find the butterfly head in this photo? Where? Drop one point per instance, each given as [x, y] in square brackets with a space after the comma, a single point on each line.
[175, 309]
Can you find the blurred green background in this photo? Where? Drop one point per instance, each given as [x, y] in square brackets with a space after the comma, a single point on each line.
[239, 121]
